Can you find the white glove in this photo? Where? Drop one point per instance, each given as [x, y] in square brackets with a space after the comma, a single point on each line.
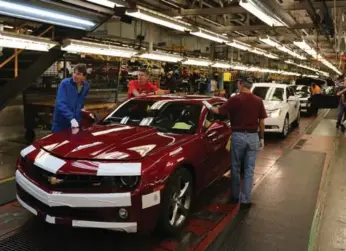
[209, 106]
[75, 130]
[261, 144]
[74, 123]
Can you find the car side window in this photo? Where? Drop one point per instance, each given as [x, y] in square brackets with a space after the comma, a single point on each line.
[212, 117]
[278, 94]
[219, 116]
[291, 92]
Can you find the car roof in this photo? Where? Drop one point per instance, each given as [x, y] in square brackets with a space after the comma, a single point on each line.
[193, 99]
[270, 85]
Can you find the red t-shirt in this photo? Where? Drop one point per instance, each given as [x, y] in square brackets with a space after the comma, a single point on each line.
[146, 88]
[244, 111]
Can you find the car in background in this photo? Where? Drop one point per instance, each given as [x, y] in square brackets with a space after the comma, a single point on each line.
[282, 106]
[138, 168]
[304, 94]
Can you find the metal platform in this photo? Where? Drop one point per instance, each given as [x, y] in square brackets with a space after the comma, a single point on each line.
[213, 218]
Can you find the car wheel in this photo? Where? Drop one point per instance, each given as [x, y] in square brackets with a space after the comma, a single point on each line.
[176, 203]
[285, 128]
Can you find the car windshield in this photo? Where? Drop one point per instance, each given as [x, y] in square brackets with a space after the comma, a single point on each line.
[260, 91]
[166, 116]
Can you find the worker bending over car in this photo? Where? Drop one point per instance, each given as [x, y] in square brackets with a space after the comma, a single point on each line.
[70, 100]
[247, 113]
[142, 86]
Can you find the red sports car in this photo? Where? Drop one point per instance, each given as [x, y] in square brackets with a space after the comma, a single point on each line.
[138, 168]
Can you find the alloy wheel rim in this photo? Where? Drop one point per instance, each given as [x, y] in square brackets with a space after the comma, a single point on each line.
[180, 203]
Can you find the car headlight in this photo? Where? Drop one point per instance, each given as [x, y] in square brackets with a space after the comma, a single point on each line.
[274, 113]
[121, 181]
[129, 181]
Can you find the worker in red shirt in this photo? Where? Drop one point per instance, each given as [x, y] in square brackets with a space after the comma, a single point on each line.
[142, 86]
[247, 113]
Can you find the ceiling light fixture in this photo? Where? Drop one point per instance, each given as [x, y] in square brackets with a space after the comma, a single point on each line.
[159, 19]
[252, 7]
[78, 46]
[240, 45]
[209, 35]
[312, 52]
[197, 62]
[44, 16]
[173, 58]
[221, 65]
[13, 40]
[107, 3]
[326, 74]
[271, 42]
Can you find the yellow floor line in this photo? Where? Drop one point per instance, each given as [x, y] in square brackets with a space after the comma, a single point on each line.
[6, 180]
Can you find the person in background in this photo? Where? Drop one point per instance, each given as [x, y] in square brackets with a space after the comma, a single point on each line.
[170, 82]
[70, 100]
[315, 89]
[342, 109]
[142, 86]
[247, 113]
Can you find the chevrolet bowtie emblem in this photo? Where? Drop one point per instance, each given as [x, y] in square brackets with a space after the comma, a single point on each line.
[54, 181]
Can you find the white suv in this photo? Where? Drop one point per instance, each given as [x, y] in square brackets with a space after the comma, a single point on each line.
[282, 106]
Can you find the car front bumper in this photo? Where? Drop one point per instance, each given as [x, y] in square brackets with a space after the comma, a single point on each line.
[87, 210]
[273, 125]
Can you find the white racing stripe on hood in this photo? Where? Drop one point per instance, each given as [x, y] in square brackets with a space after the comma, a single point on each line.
[119, 169]
[49, 162]
[27, 150]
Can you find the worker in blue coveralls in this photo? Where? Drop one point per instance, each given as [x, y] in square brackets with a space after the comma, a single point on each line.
[70, 100]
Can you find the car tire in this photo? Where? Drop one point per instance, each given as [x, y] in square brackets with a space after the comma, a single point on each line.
[176, 203]
[285, 127]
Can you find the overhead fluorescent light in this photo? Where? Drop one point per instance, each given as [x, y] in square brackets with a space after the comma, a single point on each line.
[78, 46]
[221, 65]
[107, 3]
[18, 41]
[251, 7]
[272, 42]
[209, 35]
[311, 51]
[240, 45]
[307, 48]
[307, 67]
[173, 58]
[258, 69]
[159, 19]
[44, 15]
[197, 62]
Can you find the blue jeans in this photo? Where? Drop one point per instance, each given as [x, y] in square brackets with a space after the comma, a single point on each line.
[341, 113]
[244, 148]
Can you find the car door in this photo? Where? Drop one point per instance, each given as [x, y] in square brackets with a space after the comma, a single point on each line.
[217, 131]
[293, 102]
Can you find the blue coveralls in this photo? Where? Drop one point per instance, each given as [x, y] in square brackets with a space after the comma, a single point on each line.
[68, 104]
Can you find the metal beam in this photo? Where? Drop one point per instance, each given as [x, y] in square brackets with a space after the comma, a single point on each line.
[259, 27]
[239, 9]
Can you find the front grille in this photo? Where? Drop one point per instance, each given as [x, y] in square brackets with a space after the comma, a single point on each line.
[73, 182]
[90, 214]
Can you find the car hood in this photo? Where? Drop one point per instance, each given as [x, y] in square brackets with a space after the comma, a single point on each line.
[117, 142]
[272, 105]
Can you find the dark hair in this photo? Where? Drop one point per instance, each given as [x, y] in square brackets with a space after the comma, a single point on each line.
[144, 70]
[82, 68]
